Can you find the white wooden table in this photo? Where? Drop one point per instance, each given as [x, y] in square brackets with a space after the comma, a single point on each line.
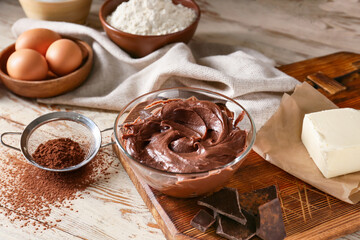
[287, 31]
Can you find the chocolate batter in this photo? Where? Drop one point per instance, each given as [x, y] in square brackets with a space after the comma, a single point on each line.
[185, 136]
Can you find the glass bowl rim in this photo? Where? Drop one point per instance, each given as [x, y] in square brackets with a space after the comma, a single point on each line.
[194, 89]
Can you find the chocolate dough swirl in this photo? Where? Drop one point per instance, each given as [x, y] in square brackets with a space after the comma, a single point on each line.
[185, 136]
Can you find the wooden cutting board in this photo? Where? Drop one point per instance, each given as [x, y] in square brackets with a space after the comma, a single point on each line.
[308, 213]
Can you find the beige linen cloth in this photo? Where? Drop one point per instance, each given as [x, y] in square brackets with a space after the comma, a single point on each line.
[116, 78]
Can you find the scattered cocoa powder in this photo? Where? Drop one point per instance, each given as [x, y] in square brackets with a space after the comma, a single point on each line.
[27, 193]
[59, 153]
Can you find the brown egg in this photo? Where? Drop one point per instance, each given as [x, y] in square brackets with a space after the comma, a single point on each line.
[27, 64]
[63, 56]
[38, 39]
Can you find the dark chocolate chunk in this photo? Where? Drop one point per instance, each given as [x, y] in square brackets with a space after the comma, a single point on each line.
[202, 220]
[225, 202]
[233, 230]
[252, 200]
[271, 224]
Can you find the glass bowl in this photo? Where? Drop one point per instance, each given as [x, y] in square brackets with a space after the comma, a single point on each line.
[183, 185]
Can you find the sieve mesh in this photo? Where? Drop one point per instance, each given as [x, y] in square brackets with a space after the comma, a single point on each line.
[55, 129]
[56, 125]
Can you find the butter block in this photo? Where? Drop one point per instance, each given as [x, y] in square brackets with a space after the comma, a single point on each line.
[332, 138]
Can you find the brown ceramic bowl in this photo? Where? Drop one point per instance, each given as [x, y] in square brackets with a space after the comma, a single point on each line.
[142, 45]
[75, 11]
[48, 87]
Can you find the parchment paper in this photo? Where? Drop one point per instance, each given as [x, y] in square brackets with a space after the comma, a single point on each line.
[279, 142]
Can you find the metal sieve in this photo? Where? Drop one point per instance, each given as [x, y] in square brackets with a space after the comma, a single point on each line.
[59, 125]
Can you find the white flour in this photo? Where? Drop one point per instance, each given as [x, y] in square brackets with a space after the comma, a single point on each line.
[151, 17]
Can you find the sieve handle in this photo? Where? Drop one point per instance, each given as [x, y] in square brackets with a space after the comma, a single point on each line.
[110, 143]
[7, 145]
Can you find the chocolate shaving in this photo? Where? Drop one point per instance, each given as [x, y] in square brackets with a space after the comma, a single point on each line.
[271, 225]
[233, 230]
[252, 200]
[202, 220]
[225, 202]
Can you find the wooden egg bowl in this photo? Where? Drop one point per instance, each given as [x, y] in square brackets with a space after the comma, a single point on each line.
[48, 87]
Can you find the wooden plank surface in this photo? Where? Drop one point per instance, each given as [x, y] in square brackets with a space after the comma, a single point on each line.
[110, 208]
[307, 212]
[286, 31]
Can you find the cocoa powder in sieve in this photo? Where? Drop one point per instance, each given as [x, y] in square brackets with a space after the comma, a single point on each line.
[59, 153]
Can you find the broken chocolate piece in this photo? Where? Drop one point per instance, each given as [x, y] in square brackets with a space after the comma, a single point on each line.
[271, 224]
[202, 220]
[255, 214]
[252, 200]
[225, 202]
[233, 230]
